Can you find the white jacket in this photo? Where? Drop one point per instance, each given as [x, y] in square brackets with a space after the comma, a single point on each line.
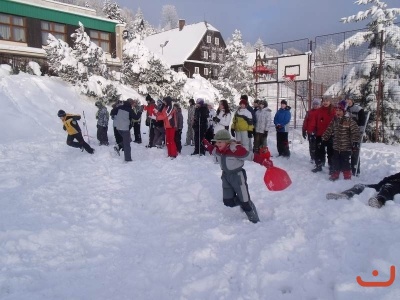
[264, 119]
[224, 121]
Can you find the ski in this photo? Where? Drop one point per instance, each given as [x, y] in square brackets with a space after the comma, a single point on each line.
[357, 157]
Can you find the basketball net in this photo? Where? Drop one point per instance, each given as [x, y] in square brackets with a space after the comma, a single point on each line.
[289, 81]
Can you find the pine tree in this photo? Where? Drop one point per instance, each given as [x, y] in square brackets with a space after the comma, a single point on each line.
[235, 73]
[361, 80]
[259, 45]
[88, 53]
[112, 11]
[169, 17]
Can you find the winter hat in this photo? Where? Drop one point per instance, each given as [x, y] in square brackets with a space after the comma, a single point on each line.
[284, 102]
[243, 101]
[168, 100]
[222, 135]
[263, 102]
[200, 101]
[148, 98]
[129, 100]
[98, 103]
[342, 105]
[61, 113]
[159, 102]
[244, 97]
[191, 101]
[316, 101]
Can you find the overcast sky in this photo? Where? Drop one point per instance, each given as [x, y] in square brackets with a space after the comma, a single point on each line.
[271, 20]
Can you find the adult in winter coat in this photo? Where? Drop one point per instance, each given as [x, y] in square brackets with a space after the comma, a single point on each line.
[223, 117]
[190, 132]
[310, 128]
[168, 116]
[150, 119]
[123, 116]
[200, 125]
[242, 125]
[264, 118]
[387, 188]
[136, 120]
[346, 137]
[281, 122]
[179, 127]
[231, 157]
[356, 112]
[325, 115]
[71, 126]
[102, 117]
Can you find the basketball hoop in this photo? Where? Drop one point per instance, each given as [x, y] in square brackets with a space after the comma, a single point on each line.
[290, 78]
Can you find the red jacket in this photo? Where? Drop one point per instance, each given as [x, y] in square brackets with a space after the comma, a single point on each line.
[310, 121]
[168, 115]
[324, 117]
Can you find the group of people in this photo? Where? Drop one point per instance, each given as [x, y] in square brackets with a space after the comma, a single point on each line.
[334, 131]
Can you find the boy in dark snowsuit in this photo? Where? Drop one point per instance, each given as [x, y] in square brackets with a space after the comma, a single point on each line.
[71, 126]
[179, 124]
[231, 157]
[200, 125]
[387, 188]
[136, 120]
[102, 117]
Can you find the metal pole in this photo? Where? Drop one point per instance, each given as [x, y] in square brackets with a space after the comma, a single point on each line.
[379, 99]
[309, 78]
[295, 104]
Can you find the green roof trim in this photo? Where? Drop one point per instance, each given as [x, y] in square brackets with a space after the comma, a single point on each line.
[47, 14]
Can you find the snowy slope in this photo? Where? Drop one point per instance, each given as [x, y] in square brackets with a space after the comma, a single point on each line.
[80, 226]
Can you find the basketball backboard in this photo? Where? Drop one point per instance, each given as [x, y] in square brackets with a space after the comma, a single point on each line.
[294, 66]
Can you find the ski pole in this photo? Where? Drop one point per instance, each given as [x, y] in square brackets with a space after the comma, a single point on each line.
[85, 123]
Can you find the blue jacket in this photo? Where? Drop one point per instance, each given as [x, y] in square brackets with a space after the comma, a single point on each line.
[282, 119]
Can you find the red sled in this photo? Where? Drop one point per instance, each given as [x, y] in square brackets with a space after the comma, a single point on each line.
[276, 179]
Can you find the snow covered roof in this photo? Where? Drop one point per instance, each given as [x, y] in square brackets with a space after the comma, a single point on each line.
[180, 43]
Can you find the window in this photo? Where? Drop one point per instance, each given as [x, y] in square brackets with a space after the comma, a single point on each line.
[209, 39]
[221, 57]
[180, 69]
[213, 56]
[205, 54]
[215, 72]
[58, 30]
[12, 28]
[217, 41]
[101, 39]
[196, 70]
[205, 71]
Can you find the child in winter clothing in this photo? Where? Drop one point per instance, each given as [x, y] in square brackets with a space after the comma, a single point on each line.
[178, 132]
[346, 137]
[242, 125]
[223, 117]
[136, 120]
[281, 121]
[71, 126]
[150, 119]
[387, 188]
[263, 114]
[231, 157]
[310, 128]
[190, 121]
[102, 117]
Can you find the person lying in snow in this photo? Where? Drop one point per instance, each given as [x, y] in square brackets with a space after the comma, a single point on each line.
[231, 157]
[387, 188]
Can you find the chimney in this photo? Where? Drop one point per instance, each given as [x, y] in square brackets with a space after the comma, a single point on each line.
[181, 24]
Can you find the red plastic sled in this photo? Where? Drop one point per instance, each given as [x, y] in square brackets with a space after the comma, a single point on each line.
[276, 179]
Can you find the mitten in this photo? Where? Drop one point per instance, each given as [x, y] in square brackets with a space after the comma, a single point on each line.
[250, 134]
[304, 134]
[356, 146]
[233, 132]
[207, 145]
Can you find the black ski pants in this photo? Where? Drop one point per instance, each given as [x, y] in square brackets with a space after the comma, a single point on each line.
[102, 135]
[80, 142]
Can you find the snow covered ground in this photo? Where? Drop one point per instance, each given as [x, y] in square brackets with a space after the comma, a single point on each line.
[80, 226]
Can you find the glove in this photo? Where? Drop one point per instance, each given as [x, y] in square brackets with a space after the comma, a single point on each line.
[250, 134]
[356, 146]
[278, 127]
[216, 119]
[304, 134]
[267, 163]
[207, 145]
[233, 132]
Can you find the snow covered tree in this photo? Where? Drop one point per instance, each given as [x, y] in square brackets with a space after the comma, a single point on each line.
[88, 53]
[112, 11]
[235, 73]
[362, 79]
[259, 45]
[169, 17]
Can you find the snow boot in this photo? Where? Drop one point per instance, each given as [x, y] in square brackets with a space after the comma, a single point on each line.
[334, 176]
[375, 202]
[251, 211]
[317, 168]
[116, 148]
[347, 175]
